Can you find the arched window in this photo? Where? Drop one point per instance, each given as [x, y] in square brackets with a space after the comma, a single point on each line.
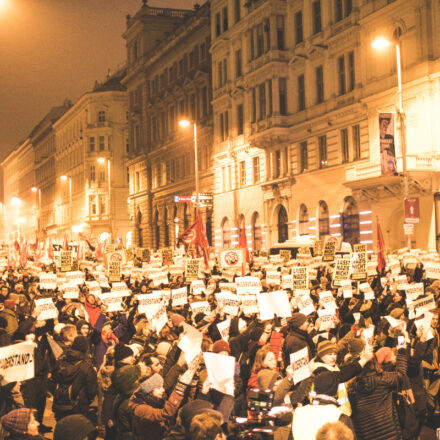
[283, 233]
[303, 220]
[226, 233]
[323, 219]
[350, 221]
[101, 116]
[256, 231]
[166, 228]
[156, 229]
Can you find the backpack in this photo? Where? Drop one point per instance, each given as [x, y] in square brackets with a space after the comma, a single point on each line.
[64, 398]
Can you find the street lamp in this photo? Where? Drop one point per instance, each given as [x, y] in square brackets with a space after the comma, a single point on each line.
[185, 123]
[64, 178]
[382, 43]
[101, 160]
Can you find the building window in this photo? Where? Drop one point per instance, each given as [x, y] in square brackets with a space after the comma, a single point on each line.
[260, 40]
[237, 12]
[344, 146]
[283, 221]
[322, 144]
[127, 146]
[238, 64]
[281, 44]
[172, 122]
[92, 174]
[319, 84]
[240, 120]
[256, 169]
[262, 100]
[159, 174]
[128, 175]
[277, 164]
[92, 205]
[266, 28]
[301, 93]
[101, 143]
[101, 116]
[256, 232]
[92, 143]
[254, 104]
[243, 173]
[218, 27]
[226, 233]
[269, 97]
[356, 142]
[299, 27]
[192, 105]
[225, 19]
[204, 101]
[282, 86]
[224, 125]
[137, 181]
[343, 8]
[304, 157]
[351, 75]
[102, 205]
[341, 75]
[316, 15]
[323, 220]
[303, 220]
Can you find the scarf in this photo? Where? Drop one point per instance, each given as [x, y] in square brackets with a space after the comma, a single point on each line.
[108, 337]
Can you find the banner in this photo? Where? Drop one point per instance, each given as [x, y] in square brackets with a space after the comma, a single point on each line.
[387, 149]
[17, 362]
[45, 309]
[300, 277]
[341, 271]
[66, 261]
[248, 285]
[231, 258]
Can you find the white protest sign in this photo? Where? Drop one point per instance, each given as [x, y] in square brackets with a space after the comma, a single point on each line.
[300, 277]
[368, 335]
[93, 288]
[159, 319]
[229, 302]
[179, 296]
[70, 291]
[358, 267]
[103, 281]
[17, 362]
[121, 288]
[287, 281]
[149, 303]
[198, 287]
[112, 301]
[274, 303]
[327, 299]
[231, 258]
[200, 307]
[305, 304]
[159, 278]
[367, 290]
[166, 295]
[45, 309]
[413, 291]
[347, 291]
[48, 280]
[232, 287]
[300, 365]
[326, 316]
[273, 278]
[249, 304]
[192, 269]
[223, 328]
[342, 271]
[432, 271]
[248, 285]
[422, 305]
[191, 342]
[76, 277]
[221, 370]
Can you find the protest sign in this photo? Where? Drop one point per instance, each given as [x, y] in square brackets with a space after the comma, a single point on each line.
[367, 290]
[248, 285]
[192, 268]
[432, 271]
[249, 304]
[285, 255]
[191, 342]
[327, 300]
[229, 302]
[341, 271]
[200, 307]
[368, 335]
[198, 287]
[360, 247]
[17, 362]
[347, 291]
[149, 303]
[329, 251]
[167, 256]
[287, 281]
[300, 277]
[70, 291]
[159, 278]
[76, 277]
[223, 328]
[45, 309]
[232, 287]
[48, 280]
[273, 278]
[274, 303]
[371, 268]
[159, 319]
[326, 316]
[179, 297]
[103, 281]
[317, 247]
[121, 288]
[232, 258]
[300, 365]
[112, 301]
[305, 304]
[66, 261]
[413, 291]
[358, 265]
[221, 370]
[422, 305]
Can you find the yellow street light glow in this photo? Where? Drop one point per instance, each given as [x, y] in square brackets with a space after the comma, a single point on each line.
[21, 220]
[101, 159]
[16, 200]
[63, 178]
[380, 43]
[184, 123]
[34, 189]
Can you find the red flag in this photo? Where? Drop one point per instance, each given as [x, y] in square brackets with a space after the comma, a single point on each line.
[65, 243]
[17, 245]
[242, 244]
[381, 263]
[80, 256]
[23, 254]
[99, 252]
[196, 234]
[50, 249]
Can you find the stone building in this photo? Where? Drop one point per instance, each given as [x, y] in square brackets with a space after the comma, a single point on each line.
[168, 80]
[297, 90]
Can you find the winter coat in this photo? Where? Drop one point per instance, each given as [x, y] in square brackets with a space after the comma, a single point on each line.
[296, 340]
[371, 396]
[147, 420]
[11, 320]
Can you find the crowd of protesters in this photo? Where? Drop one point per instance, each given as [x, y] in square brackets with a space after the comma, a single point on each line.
[113, 376]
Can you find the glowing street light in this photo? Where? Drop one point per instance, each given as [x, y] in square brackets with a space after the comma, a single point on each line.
[16, 200]
[184, 123]
[380, 43]
[34, 189]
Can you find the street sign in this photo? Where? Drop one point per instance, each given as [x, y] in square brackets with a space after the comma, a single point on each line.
[408, 228]
[205, 199]
[412, 210]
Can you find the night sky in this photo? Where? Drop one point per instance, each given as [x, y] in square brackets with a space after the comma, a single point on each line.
[56, 49]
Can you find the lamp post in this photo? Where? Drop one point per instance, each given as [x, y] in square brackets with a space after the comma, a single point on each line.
[64, 178]
[185, 123]
[382, 43]
[102, 160]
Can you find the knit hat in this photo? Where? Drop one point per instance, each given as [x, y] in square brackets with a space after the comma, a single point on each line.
[191, 409]
[17, 421]
[326, 383]
[74, 427]
[221, 345]
[153, 382]
[266, 379]
[383, 355]
[396, 313]
[122, 351]
[177, 319]
[297, 320]
[81, 344]
[326, 347]
[126, 379]
[355, 346]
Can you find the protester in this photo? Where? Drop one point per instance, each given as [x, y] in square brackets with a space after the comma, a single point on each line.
[21, 425]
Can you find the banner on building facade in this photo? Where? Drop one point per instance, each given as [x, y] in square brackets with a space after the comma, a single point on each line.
[387, 148]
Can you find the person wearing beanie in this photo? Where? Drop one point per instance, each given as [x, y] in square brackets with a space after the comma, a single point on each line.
[123, 355]
[81, 344]
[21, 424]
[221, 347]
[149, 408]
[308, 419]
[74, 427]
[384, 355]
[371, 396]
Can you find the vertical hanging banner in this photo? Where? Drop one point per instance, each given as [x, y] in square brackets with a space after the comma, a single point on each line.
[387, 149]
[412, 210]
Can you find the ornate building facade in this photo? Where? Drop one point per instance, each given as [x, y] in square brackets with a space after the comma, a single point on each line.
[297, 90]
[168, 80]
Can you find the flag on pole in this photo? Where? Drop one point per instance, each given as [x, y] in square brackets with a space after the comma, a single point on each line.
[381, 263]
[65, 243]
[196, 235]
[81, 251]
[23, 254]
[242, 243]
